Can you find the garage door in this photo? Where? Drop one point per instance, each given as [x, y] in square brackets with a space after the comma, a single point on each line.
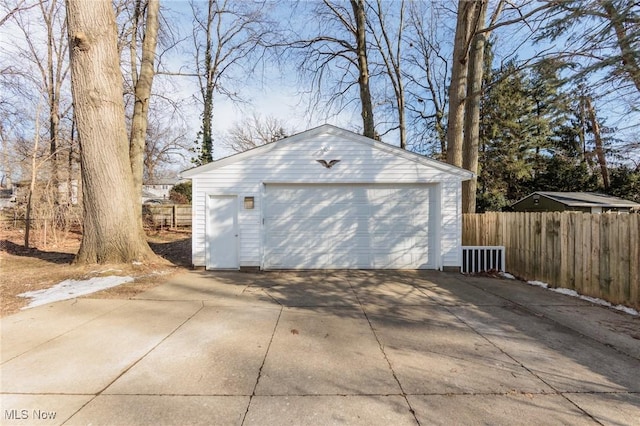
[349, 226]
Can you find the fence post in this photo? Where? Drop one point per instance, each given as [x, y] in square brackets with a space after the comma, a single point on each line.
[634, 256]
[174, 216]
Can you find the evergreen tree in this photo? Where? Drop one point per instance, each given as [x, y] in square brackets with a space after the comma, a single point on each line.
[537, 135]
[625, 183]
[507, 147]
[564, 174]
[551, 110]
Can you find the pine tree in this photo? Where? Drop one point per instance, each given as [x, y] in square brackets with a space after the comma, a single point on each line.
[536, 135]
[625, 183]
[507, 148]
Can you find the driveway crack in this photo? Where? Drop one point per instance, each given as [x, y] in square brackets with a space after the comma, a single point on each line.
[133, 364]
[264, 360]
[384, 354]
[557, 392]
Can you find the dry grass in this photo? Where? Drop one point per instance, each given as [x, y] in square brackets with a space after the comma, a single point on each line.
[28, 269]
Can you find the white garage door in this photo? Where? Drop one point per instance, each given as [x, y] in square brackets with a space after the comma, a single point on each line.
[349, 226]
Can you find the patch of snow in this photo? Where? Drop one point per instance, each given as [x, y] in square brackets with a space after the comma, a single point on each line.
[565, 291]
[627, 310]
[69, 289]
[135, 262]
[538, 284]
[507, 276]
[595, 300]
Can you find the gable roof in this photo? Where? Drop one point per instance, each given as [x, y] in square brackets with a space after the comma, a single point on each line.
[585, 199]
[336, 131]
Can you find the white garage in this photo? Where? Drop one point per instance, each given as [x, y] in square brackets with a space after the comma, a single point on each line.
[326, 199]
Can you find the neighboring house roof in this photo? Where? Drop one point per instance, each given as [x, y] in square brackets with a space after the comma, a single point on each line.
[147, 194]
[329, 129]
[585, 199]
[161, 182]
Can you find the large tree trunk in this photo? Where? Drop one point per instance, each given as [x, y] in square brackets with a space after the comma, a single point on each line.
[143, 84]
[472, 109]
[363, 68]
[458, 86]
[112, 232]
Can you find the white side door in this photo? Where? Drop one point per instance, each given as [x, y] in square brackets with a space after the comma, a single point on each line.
[222, 232]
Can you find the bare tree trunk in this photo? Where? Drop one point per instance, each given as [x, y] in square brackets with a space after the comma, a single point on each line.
[472, 124]
[602, 160]
[232, 32]
[210, 70]
[472, 104]
[112, 232]
[54, 73]
[458, 86]
[391, 57]
[363, 68]
[71, 196]
[32, 183]
[427, 58]
[143, 84]
[54, 106]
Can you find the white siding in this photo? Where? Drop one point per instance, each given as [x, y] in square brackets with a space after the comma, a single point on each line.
[198, 245]
[371, 226]
[451, 231]
[295, 162]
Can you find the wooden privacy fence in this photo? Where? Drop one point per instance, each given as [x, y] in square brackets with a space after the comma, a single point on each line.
[170, 216]
[596, 255]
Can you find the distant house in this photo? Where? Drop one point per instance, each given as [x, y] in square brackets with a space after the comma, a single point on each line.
[68, 192]
[7, 197]
[7, 193]
[157, 189]
[588, 202]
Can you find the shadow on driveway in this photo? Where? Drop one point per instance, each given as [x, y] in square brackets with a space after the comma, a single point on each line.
[326, 347]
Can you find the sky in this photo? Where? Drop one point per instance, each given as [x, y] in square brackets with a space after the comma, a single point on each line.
[277, 91]
[271, 91]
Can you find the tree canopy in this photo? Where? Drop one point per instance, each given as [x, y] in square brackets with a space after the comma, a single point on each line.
[547, 91]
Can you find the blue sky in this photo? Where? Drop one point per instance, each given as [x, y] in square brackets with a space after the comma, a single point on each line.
[271, 90]
[277, 91]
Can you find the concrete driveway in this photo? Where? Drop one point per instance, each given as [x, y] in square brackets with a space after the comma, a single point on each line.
[348, 347]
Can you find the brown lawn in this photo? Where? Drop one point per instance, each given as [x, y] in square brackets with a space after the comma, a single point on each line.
[49, 263]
